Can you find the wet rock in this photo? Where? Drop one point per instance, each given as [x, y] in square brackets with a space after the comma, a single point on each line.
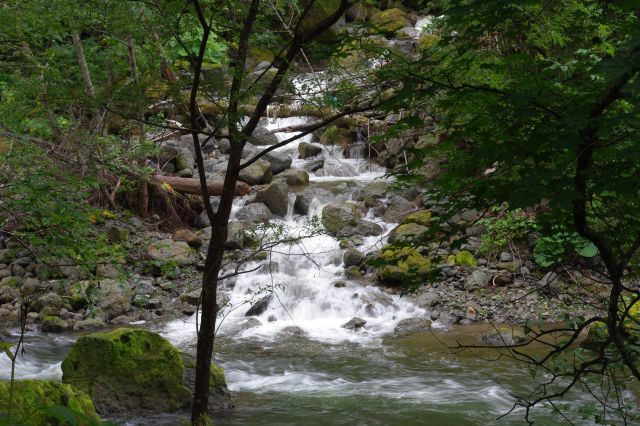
[235, 235]
[54, 324]
[340, 284]
[259, 307]
[279, 161]
[313, 166]
[422, 217]
[255, 213]
[203, 219]
[477, 280]
[189, 237]
[308, 150]
[220, 398]
[87, 324]
[503, 336]
[354, 323]
[292, 331]
[128, 370]
[412, 325]
[352, 257]
[402, 264]
[276, 197]
[301, 205]
[363, 228]
[257, 173]
[353, 273]
[295, 177]
[262, 136]
[336, 216]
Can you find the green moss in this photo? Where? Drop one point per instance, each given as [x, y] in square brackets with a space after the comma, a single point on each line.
[128, 369]
[217, 380]
[407, 232]
[32, 397]
[402, 264]
[422, 217]
[391, 20]
[465, 258]
[427, 41]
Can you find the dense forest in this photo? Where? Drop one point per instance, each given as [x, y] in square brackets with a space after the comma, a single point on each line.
[319, 212]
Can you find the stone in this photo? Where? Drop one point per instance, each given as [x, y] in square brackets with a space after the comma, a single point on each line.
[357, 12]
[78, 294]
[353, 273]
[427, 300]
[219, 395]
[189, 237]
[308, 150]
[117, 234]
[262, 136]
[107, 271]
[291, 331]
[407, 232]
[279, 161]
[54, 324]
[336, 216]
[352, 257]
[7, 255]
[30, 394]
[49, 299]
[340, 284]
[466, 259]
[505, 256]
[11, 282]
[257, 173]
[477, 280]
[295, 177]
[412, 325]
[276, 197]
[259, 307]
[502, 280]
[363, 228]
[114, 298]
[422, 217]
[254, 213]
[192, 297]
[398, 208]
[8, 294]
[4, 273]
[402, 265]
[391, 20]
[354, 323]
[503, 336]
[23, 261]
[315, 165]
[549, 284]
[407, 33]
[301, 205]
[512, 266]
[170, 251]
[235, 235]
[128, 370]
[89, 324]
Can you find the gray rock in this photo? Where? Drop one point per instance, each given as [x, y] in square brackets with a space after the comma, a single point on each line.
[398, 208]
[263, 136]
[114, 299]
[23, 261]
[203, 219]
[107, 271]
[258, 173]
[168, 250]
[279, 161]
[336, 216]
[308, 150]
[313, 166]
[295, 177]
[301, 205]
[291, 331]
[363, 228]
[7, 255]
[354, 323]
[427, 300]
[276, 197]
[262, 66]
[224, 145]
[8, 294]
[89, 324]
[255, 213]
[478, 279]
[192, 297]
[505, 256]
[549, 283]
[412, 325]
[259, 307]
[352, 257]
[235, 235]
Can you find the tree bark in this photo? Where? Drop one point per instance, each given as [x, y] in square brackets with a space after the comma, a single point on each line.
[192, 185]
[82, 63]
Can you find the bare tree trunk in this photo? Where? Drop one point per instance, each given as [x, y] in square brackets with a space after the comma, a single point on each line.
[82, 63]
[192, 185]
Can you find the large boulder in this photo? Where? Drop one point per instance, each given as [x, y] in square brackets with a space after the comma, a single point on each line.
[308, 150]
[336, 216]
[128, 370]
[477, 280]
[114, 298]
[276, 197]
[407, 232]
[391, 20]
[402, 265]
[255, 213]
[295, 177]
[235, 235]
[398, 208]
[363, 228]
[33, 398]
[258, 173]
[279, 161]
[422, 217]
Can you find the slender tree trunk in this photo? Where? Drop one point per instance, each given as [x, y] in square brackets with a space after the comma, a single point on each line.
[82, 63]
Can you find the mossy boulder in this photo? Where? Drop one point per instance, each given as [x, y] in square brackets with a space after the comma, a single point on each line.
[407, 232]
[427, 41]
[128, 370]
[336, 216]
[402, 264]
[422, 217]
[32, 398]
[391, 20]
[334, 135]
[466, 258]
[219, 394]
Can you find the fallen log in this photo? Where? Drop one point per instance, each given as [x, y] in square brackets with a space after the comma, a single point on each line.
[192, 185]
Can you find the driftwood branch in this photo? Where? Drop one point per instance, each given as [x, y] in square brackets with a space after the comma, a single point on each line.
[192, 186]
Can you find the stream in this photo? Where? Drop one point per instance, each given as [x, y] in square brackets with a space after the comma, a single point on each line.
[295, 363]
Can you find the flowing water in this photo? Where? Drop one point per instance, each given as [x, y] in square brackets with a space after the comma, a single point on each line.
[295, 364]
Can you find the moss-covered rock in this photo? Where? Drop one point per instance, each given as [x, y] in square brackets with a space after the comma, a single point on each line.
[128, 370]
[422, 217]
[402, 264]
[427, 41]
[407, 232]
[465, 258]
[33, 397]
[333, 135]
[391, 20]
[219, 395]
[336, 216]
